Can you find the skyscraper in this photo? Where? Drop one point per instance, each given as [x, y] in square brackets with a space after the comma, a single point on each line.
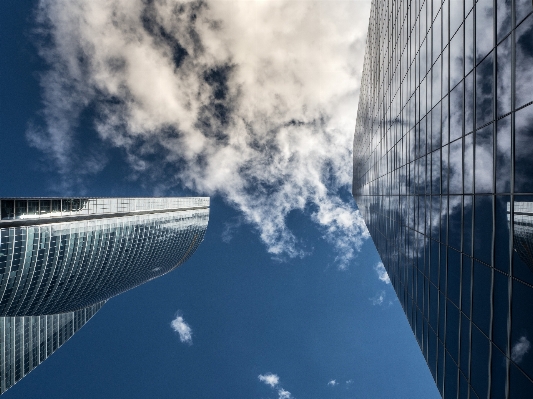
[443, 176]
[61, 259]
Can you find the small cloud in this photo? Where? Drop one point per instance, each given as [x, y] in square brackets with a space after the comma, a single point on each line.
[382, 273]
[349, 382]
[283, 394]
[333, 383]
[182, 328]
[520, 349]
[269, 379]
[378, 298]
[229, 230]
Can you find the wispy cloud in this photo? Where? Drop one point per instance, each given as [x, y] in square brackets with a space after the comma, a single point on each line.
[251, 100]
[182, 328]
[379, 298]
[333, 383]
[382, 273]
[273, 381]
[520, 349]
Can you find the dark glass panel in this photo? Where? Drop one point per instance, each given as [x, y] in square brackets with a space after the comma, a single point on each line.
[33, 207]
[484, 91]
[483, 228]
[454, 221]
[500, 310]
[432, 353]
[44, 206]
[454, 276]
[456, 112]
[481, 306]
[484, 160]
[452, 330]
[480, 363]
[442, 315]
[434, 305]
[524, 60]
[443, 219]
[499, 374]
[8, 209]
[523, 238]
[440, 368]
[503, 20]
[56, 205]
[450, 383]
[468, 169]
[518, 383]
[442, 270]
[434, 269]
[436, 135]
[501, 241]
[467, 224]
[21, 208]
[464, 387]
[524, 150]
[465, 344]
[466, 272]
[503, 77]
[484, 28]
[503, 155]
[522, 327]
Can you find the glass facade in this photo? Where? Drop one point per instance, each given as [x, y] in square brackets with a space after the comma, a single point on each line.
[443, 157]
[62, 258]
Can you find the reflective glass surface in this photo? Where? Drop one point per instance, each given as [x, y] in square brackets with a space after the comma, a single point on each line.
[443, 176]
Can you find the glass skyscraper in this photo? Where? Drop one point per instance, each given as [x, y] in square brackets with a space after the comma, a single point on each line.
[443, 176]
[62, 258]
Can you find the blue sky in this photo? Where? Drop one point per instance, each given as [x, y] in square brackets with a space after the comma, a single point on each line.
[285, 282]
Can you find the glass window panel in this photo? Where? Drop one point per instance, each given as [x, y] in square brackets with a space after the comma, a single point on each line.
[44, 206]
[434, 269]
[454, 221]
[456, 167]
[524, 60]
[518, 383]
[456, 17]
[499, 374]
[468, 160]
[444, 121]
[480, 363]
[503, 20]
[8, 209]
[452, 330]
[484, 28]
[434, 304]
[484, 160]
[524, 150]
[503, 155]
[21, 208]
[469, 103]
[33, 207]
[456, 112]
[432, 353]
[465, 344]
[444, 170]
[501, 310]
[450, 387]
[469, 43]
[522, 328]
[481, 296]
[523, 8]
[464, 386]
[466, 272]
[440, 368]
[456, 58]
[522, 238]
[483, 229]
[442, 315]
[454, 276]
[501, 241]
[503, 77]
[484, 92]
[467, 224]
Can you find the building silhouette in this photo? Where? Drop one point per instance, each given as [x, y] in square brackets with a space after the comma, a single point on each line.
[443, 173]
[61, 259]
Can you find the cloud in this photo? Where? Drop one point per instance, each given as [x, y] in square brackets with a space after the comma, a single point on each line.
[349, 382]
[378, 298]
[183, 329]
[382, 273]
[269, 379]
[333, 383]
[254, 101]
[273, 381]
[520, 349]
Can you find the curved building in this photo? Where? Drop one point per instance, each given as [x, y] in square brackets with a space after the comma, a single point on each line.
[62, 258]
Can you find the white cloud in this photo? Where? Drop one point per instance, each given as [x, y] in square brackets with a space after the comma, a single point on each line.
[349, 382]
[283, 394]
[333, 383]
[269, 379]
[183, 329]
[382, 273]
[251, 100]
[379, 298]
[520, 349]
